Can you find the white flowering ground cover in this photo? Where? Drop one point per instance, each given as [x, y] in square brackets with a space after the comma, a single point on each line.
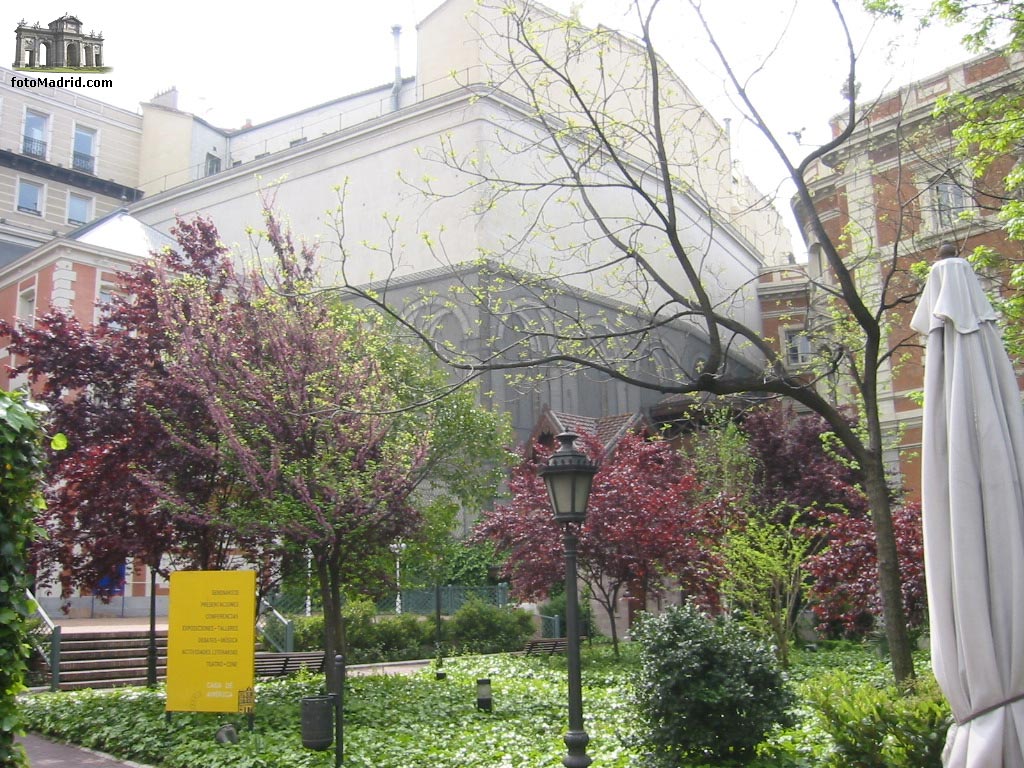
[390, 722]
[414, 720]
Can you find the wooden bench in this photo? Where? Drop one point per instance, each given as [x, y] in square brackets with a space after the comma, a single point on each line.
[270, 664]
[548, 645]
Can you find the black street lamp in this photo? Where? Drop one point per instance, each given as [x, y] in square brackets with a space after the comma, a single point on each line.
[568, 475]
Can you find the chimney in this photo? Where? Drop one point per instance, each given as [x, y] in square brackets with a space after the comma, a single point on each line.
[396, 89]
[168, 98]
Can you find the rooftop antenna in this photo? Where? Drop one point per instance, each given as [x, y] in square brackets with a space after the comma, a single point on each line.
[396, 89]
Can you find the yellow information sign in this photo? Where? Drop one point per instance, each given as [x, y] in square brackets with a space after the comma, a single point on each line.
[211, 641]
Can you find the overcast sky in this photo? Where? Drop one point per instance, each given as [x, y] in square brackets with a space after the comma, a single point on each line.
[234, 62]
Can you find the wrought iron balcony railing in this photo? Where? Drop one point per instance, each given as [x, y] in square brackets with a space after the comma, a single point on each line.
[83, 162]
[34, 147]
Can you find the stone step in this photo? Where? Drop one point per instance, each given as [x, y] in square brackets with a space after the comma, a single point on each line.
[120, 682]
[98, 676]
[86, 665]
[102, 646]
[106, 659]
[85, 654]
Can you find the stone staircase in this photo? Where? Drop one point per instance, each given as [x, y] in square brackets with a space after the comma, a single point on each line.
[108, 659]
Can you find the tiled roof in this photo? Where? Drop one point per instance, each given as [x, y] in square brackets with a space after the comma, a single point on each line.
[609, 429]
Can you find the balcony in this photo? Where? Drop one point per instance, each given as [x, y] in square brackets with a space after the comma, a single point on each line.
[34, 147]
[84, 163]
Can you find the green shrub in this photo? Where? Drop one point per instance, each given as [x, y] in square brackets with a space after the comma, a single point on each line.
[555, 606]
[405, 637]
[368, 639]
[308, 632]
[360, 634]
[881, 726]
[706, 689]
[479, 627]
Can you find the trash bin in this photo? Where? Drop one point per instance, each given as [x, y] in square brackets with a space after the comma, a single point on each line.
[317, 721]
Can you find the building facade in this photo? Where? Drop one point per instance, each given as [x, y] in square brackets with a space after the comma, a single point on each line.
[356, 165]
[890, 197]
[65, 160]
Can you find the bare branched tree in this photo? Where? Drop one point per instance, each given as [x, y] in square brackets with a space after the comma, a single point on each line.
[616, 239]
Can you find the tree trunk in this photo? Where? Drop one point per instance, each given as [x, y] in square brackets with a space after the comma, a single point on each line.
[609, 608]
[889, 582]
[328, 572]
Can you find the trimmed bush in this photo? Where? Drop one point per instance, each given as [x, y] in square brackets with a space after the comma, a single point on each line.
[881, 726]
[707, 690]
[479, 627]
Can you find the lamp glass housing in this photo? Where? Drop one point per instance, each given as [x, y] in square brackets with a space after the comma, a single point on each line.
[568, 476]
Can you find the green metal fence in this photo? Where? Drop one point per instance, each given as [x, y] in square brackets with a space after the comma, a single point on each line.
[275, 629]
[451, 597]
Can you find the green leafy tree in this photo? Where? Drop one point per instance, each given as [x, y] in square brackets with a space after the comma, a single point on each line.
[763, 558]
[766, 541]
[990, 132]
[21, 464]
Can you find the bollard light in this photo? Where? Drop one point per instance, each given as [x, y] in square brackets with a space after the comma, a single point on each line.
[484, 702]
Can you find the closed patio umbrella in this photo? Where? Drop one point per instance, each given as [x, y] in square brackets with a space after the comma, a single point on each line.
[973, 507]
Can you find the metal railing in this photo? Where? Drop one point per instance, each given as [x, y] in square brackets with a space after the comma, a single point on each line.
[33, 147]
[551, 626]
[80, 161]
[275, 629]
[45, 638]
[424, 602]
[450, 597]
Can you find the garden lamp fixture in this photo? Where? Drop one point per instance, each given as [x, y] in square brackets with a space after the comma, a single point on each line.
[568, 476]
[397, 548]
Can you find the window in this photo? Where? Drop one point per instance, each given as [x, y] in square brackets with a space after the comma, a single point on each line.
[27, 306]
[106, 291]
[84, 156]
[212, 164]
[30, 197]
[798, 347]
[79, 208]
[34, 140]
[948, 201]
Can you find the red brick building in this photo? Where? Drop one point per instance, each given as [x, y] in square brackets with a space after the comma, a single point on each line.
[888, 198]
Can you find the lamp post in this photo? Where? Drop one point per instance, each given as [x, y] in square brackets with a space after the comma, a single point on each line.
[397, 548]
[568, 475]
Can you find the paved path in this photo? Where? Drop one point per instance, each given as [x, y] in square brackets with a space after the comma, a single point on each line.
[43, 753]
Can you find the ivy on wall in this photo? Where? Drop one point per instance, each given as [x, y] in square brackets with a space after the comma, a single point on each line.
[21, 464]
